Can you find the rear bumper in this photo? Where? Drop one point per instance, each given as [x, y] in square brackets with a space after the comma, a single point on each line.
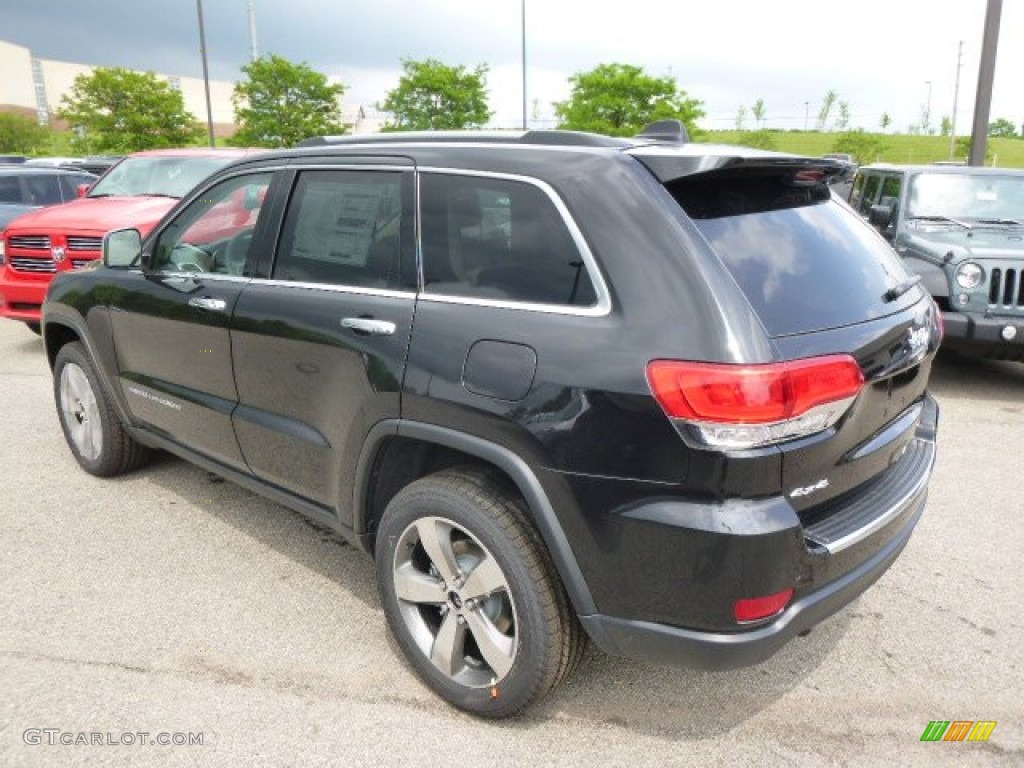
[22, 299]
[982, 336]
[672, 603]
[664, 644]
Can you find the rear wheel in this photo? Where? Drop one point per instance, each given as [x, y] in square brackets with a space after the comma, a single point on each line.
[91, 426]
[471, 595]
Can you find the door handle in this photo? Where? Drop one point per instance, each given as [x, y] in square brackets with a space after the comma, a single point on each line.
[205, 302]
[368, 326]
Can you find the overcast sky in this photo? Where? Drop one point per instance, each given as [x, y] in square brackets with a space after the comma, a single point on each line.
[879, 55]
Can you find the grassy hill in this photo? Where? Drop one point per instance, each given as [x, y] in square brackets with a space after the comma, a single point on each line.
[892, 148]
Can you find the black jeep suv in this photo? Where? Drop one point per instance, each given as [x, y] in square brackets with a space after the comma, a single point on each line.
[668, 396]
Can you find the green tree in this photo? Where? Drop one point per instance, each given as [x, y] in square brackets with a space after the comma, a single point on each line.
[21, 135]
[758, 111]
[1002, 128]
[946, 125]
[118, 110]
[741, 116]
[280, 103]
[826, 108]
[432, 96]
[963, 148]
[865, 147]
[620, 99]
[843, 122]
[885, 122]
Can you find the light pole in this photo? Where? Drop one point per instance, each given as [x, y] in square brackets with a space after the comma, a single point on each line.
[206, 71]
[956, 96]
[523, 27]
[807, 114]
[928, 108]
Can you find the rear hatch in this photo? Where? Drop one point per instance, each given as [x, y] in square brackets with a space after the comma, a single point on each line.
[822, 283]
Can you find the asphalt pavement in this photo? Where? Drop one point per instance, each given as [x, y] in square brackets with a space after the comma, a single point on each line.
[172, 604]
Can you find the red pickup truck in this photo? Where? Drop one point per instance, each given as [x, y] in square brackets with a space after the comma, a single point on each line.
[136, 192]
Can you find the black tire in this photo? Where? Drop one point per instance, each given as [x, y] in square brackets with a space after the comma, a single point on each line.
[91, 426]
[35, 328]
[484, 523]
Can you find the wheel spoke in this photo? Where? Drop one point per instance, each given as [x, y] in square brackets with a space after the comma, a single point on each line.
[497, 649]
[414, 586]
[436, 538]
[485, 578]
[447, 651]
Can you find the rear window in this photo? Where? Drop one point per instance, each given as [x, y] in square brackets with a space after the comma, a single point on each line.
[804, 261]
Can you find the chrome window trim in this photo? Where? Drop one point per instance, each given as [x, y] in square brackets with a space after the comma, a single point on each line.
[601, 308]
[386, 293]
[213, 276]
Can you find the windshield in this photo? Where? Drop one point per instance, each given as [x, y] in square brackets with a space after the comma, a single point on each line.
[961, 196]
[156, 175]
[804, 261]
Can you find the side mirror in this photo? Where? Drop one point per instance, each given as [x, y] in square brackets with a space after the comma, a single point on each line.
[122, 248]
[880, 215]
[83, 189]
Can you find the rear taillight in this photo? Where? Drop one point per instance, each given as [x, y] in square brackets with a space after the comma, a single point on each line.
[745, 406]
[757, 608]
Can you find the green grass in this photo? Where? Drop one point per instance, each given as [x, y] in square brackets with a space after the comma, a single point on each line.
[894, 148]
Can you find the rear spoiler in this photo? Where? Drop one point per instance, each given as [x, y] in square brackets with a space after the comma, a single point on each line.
[668, 165]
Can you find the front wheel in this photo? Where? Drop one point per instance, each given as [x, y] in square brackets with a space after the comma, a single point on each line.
[471, 595]
[91, 426]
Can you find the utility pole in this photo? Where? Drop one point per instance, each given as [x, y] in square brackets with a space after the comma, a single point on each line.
[206, 71]
[956, 97]
[523, 27]
[986, 74]
[254, 51]
[807, 114]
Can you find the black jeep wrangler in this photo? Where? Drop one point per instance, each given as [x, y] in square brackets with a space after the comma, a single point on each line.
[666, 396]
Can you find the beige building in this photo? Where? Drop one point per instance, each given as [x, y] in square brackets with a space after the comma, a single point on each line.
[33, 87]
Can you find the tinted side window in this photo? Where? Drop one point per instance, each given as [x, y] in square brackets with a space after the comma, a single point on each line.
[498, 239]
[858, 191]
[345, 228]
[213, 233]
[870, 192]
[10, 189]
[69, 184]
[43, 189]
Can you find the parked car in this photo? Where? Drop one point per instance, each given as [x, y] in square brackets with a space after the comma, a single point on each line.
[961, 230]
[25, 188]
[98, 164]
[671, 397]
[136, 192]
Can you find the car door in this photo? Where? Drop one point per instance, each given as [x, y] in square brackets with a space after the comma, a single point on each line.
[319, 342]
[171, 321]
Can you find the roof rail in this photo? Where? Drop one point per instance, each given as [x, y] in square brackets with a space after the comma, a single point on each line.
[671, 130]
[540, 138]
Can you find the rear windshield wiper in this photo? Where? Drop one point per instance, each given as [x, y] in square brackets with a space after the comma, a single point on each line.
[958, 222]
[1005, 222]
[900, 288]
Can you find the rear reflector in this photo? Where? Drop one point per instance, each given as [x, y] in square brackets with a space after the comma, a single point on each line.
[756, 608]
[741, 406]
